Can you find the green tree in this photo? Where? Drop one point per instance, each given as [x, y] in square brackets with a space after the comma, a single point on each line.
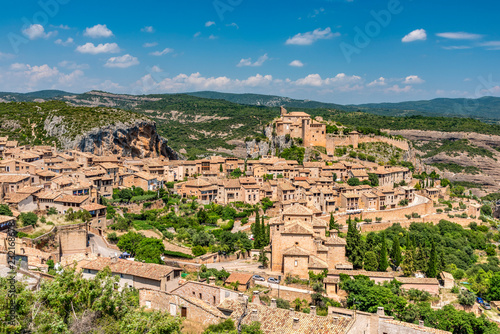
[371, 261]
[383, 263]
[373, 178]
[355, 246]
[5, 210]
[263, 258]
[28, 218]
[236, 173]
[333, 224]
[408, 264]
[220, 168]
[432, 270]
[396, 252]
[150, 250]
[353, 181]
[467, 298]
[129, 242]
[486, 210]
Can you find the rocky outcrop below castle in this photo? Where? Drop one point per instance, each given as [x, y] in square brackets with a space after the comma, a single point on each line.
[138, 139]
[271, 146]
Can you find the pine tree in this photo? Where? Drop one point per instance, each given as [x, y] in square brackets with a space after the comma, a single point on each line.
[220, 168]
[396, 252]
[268, 232]
[421, 259]
[433, 262]
[383, 263]
[408, 264]
[355, 246]
[333, 223]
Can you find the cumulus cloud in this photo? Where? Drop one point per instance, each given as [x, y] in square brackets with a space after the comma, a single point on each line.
[67, 42]
[29, 77]
[90, 48]
[156, 69]
[124, 61]
[413, 79]
[162, 53]
[248, 61]
[98, 31]
[296, 63]
[459, 35]
[148, 29]
[397, 89]
[36, 31]
[212, 37]
[415, 35]
[310, 37]
[71, 65]
[209, 23]
[150, 45]
[340, 80]
[378, 82]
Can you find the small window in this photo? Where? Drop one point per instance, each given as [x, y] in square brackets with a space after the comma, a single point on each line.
[296, 263]
[200, 295]
[148, 304]
[168, 278]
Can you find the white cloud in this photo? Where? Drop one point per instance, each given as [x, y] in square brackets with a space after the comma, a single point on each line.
[415, 35]
[378, 82]
[156, 69]
[97, 31]
[67, 42]
[4, 56]
[248, 61]
[61, 26]
[492, 45]
[162, 53]
[233, 24]
[18, 67]
[197, 34]
[71, 65]
[96, 49]
[296, 63]
[456, 47]
[122, 61]
[35, 31]
[397, 89]
[310, 37]
[459, 35]
[212, 37]
[209, 23]
[413, 79]
[150, 45]
[341, 81]
[148, 29]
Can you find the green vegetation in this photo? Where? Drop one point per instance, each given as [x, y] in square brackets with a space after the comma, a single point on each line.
[25, 121]
[293, 153]
[456, 168]
[453, 148]
[70, 303]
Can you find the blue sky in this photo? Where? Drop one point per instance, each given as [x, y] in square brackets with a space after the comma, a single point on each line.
[329, 50]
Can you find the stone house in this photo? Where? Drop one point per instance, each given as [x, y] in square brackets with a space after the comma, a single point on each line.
[136, 274]
[244, 280]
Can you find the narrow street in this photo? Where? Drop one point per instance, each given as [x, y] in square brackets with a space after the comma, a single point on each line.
[98, 246]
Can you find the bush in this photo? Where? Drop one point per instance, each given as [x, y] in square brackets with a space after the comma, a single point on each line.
[51, 211]
[466, 298]
[198, 251]
[113, 237]
[28, 218]
[178, 254]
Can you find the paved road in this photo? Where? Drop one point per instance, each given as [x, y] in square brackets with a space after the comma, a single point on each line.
[282, 287]
[99, 246]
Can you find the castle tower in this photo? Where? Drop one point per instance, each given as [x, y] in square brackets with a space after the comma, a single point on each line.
[283, 111]
[354, 136]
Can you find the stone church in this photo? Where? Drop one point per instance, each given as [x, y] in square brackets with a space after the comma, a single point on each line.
[299, 243]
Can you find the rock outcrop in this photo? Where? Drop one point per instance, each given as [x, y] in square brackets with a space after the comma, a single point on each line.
[272, 146]
[139, 139]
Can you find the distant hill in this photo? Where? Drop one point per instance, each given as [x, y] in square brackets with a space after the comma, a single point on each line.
[484, 108]
[29, 97]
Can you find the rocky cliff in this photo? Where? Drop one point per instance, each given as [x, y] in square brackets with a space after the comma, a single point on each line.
[139, 139]
[271, 146]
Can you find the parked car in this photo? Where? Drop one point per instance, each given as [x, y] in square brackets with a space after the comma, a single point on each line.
[486, 306]
[258, 278]
[273, 280]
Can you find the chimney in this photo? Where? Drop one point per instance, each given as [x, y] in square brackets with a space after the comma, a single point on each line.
[273, 303]
[256, 298]
[292, 312]
[380, 311]
[255, 315]
[211, 280]
[313, 310]
[421, 324]
[295, 325]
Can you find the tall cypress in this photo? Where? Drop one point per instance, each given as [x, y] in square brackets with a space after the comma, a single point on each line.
[383, 263]
[432, 270]
[396, 252]
[257, 239]
[355, 246]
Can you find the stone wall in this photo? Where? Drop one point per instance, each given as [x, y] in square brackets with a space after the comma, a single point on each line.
[73, 241]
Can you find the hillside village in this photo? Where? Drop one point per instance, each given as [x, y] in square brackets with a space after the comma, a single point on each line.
[309, 211]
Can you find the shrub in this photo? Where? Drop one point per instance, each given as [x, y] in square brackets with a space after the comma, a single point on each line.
[198, 250]
[28, 218]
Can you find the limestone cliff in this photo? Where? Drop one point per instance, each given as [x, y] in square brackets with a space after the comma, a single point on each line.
[138, 139]
[271, 146]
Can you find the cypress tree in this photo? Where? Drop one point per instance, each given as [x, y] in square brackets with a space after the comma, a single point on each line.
[396, 252]
[220, 168]
[355, 246]
[421, 259]
[383, 263]
[432, 267]
[257, 231]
